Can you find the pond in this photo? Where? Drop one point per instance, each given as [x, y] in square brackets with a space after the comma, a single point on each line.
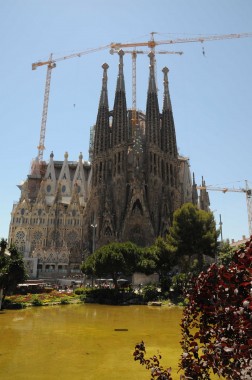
[86, 341]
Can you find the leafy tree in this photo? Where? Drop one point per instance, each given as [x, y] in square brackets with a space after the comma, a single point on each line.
[216, 324]
[147, 260]
[112, 259]
[193, 232]
[12, 270]
[220, 311]
[164, 259]
[225, 254]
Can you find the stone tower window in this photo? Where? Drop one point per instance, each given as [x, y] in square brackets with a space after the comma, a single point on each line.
[137, 207]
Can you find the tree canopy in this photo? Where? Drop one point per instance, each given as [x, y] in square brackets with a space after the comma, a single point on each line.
[12, 269]
[159, 258]
[225, 253]
[193, 232]
[216, 326]
[112, 259]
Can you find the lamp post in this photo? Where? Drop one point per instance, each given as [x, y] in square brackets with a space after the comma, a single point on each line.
[93, 226]
[93, 240]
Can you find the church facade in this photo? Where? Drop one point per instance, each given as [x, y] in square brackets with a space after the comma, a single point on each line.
[128, 191]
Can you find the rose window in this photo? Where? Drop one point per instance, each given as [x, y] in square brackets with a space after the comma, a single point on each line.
[37, 235]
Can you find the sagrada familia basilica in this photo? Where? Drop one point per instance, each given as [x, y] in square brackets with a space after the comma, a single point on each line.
[127, 191]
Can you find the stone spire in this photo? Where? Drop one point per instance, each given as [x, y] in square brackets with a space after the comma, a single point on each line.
[168, 134]
[104, 91]
[152, 82]
[101, 139]
[204, 201]
[120, 79]
[152, 107]
[194, 192]
[167, 99]
[120, 124]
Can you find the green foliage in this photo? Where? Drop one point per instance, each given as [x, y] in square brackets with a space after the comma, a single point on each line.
[158, 371]
[40, 299]
[112, 259]
[165, 255]
[225, 254]
[150, 293]
[193, 232]
[12, 269]
[216, 326]
[110, 296]
[64, 301]
[165, 260]
[36, 302]
[147, 260]
[79, 291]
[180, 282]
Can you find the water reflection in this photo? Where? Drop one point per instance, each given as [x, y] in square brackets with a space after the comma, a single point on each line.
[85, 341]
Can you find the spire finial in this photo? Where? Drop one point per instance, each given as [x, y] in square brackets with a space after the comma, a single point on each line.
[66, 156]
[167, 100]
[120, 81]
[104, 93]
[152, 82]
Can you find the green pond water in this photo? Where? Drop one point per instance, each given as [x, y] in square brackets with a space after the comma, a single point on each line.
[80, 342]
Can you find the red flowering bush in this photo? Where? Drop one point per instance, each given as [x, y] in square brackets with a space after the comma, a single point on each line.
[216, 324]
[158, 372]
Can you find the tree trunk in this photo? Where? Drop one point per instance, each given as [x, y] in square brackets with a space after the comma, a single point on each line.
[1, 297]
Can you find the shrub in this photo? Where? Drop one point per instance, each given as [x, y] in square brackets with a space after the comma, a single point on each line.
[216, 324]
[37, 302]
[150, 293]
[79, 291]
[64, 301]
[8, 304]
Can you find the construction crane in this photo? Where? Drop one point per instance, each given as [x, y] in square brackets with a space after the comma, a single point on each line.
[152, 43]
[245, 190]
[51, 64]
[134, 56]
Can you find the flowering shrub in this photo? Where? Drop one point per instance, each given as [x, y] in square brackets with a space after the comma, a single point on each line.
[153, 363]
[220, 305]
[216, 324]
[42, 298]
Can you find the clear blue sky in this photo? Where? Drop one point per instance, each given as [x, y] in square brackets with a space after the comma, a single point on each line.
[211, 95]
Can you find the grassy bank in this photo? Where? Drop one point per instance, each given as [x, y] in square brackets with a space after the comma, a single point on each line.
[41, 299]
[90, 295]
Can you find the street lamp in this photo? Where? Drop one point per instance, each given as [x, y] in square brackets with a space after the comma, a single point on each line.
[93, 243]
[94, 225]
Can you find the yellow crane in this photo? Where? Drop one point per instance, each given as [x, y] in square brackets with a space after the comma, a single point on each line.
[152, 43]
[134, 56]
[51, 64]
[245, 190]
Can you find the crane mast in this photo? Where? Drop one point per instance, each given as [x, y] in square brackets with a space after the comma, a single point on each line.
[245, 190]
[51, 64]
[41, 145]
[151, 44]
[134, 53]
